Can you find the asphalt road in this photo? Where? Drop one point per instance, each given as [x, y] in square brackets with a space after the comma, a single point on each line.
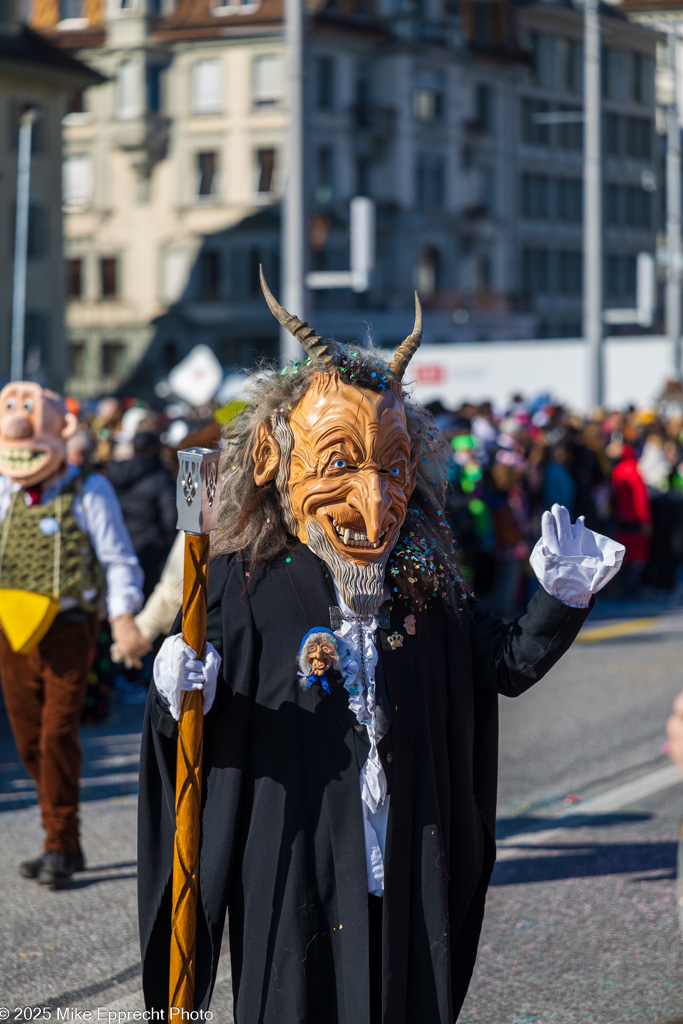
[581, 924]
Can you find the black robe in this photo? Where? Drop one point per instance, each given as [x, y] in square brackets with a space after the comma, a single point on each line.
[282, 832]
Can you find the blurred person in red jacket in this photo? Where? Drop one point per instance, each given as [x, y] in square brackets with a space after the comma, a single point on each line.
[632, 513]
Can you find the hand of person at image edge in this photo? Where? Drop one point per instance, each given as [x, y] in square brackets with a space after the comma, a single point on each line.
[129, 646]
[572, 562]
[674, 731]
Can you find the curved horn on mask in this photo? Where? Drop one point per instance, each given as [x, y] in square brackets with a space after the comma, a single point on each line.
[314, 345]
[407, 349]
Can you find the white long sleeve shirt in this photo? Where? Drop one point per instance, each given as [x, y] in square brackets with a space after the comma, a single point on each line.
[98, 513]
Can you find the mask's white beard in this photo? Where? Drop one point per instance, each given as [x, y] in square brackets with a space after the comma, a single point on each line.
[361, 586]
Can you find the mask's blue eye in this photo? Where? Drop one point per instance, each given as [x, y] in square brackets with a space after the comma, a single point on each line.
[395, 470]
[339, 464]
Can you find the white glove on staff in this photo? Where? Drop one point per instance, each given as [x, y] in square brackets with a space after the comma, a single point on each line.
[573, 562]
[176, 668]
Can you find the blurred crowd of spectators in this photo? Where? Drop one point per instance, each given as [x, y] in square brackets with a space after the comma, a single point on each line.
[622, 470]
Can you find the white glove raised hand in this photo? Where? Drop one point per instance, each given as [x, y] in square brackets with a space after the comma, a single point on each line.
[176, 668]
[573, 562]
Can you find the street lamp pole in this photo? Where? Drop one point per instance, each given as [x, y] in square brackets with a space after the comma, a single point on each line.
[295, 293]
[673, 211]
[592, 204]
[21, 244]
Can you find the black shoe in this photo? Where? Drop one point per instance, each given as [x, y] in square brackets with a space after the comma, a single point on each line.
[58, 867]
[30, 868]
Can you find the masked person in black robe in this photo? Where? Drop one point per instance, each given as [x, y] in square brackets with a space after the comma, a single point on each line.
[350, 741]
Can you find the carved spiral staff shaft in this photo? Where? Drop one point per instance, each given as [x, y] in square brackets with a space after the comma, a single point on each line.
[189, 784]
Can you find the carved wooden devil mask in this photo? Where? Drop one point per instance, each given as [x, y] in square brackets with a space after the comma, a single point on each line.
[351, 467]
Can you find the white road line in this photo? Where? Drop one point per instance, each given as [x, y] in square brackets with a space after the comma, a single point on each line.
[613, 800]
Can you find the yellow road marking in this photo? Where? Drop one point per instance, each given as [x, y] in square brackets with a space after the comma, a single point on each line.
[594, 636]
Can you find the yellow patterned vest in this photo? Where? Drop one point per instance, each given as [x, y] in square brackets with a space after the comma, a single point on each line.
[43, 550]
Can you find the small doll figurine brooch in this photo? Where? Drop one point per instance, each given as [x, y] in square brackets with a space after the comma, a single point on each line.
[319, 652]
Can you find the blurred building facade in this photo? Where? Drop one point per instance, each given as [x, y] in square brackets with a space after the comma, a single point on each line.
[549, 101]
[34, 75]
[174, 170]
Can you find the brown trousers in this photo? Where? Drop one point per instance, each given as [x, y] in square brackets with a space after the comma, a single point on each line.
[44, 695]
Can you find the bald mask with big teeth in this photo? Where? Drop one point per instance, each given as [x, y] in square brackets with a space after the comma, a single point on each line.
[351, 475]
[34, 429]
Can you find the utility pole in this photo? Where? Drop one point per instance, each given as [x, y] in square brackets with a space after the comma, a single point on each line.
[673, 211]
[592, 201]
[21, 244]
[294, 291]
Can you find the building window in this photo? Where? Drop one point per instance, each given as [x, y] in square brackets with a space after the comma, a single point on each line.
[570, 132]
[128, 90]
[253, 278]
[227, 7]
[324, 191]
[570, 200]
[535, 271]
[206, 165]
[428, 105]
[170, 354]
[569, 65]
[428, 96]
[636, 83]
[363, 166]
[535, 198]
[607, 70]
[638, 141]
[75, 103]
[535, 131]
[638, 207]
[324, 83]
[612, 205]
[74, 278]
[113, 358]
[153, 87]
[109, 277]
[570, 271]
[613, 128]
[207, 86]
[620, 278]
[483, 107]
[209, 268]
[77, 359]
[266, 79]
[77, 181]
[428, 272]
[430, 178]
[265, 170]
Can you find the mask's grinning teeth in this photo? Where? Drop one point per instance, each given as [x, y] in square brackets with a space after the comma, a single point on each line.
[20, 458]
[356, 538]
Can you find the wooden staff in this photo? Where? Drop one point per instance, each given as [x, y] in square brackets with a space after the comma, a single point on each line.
[197, 498]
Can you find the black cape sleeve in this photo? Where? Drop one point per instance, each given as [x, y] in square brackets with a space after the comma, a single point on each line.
[510, 657]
